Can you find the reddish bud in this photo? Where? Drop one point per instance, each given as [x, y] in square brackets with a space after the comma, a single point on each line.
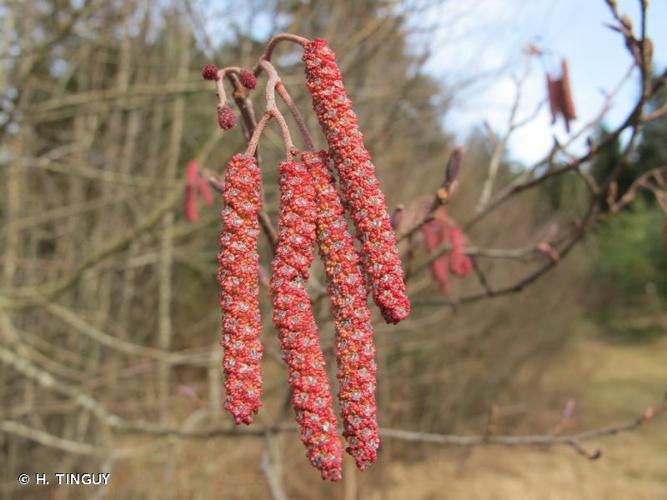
[454, 165]
[210, 72]
[248, 80]
[226, 118]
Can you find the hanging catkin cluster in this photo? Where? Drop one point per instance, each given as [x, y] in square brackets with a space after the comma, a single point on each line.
[311, 396]
[441, 230]
[312, 212]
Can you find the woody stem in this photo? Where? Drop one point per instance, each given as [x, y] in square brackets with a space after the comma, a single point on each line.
[268, 51]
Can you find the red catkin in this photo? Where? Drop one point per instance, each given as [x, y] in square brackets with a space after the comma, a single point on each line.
[436, 233]
[239, 281]
[226, 118]
[247, 79]
[453, 168]
[190, 196]
[210, 72]
[439, 231]
[204, 190]
[195, 185]
[293, 317]
[355, 351]
[360, 188]
[459, 262]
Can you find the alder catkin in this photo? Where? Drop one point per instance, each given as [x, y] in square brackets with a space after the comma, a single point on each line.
[360, 188]
[293, 317]
[355, 350]
[238, 276]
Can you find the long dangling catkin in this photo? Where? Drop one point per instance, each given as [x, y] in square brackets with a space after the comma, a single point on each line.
[190, 195]
[360, 188]
[239, 297]
[436, 233]
[292, 314]
[443, 230]
[459, 262]
[355, 351]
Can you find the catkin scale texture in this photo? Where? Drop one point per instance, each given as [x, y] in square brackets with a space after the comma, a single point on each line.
[360, 188]
[355, 350]
[293, 317]
[238, 277]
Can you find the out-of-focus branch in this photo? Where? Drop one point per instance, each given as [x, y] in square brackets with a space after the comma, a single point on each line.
[26, 296]
[573, 440]
[501, 144]
[527, 180]
[49, 440]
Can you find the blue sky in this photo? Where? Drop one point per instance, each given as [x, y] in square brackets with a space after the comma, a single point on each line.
[486, 37]
[482, 41]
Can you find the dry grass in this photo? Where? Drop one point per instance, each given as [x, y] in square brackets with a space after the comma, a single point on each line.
[610, 382]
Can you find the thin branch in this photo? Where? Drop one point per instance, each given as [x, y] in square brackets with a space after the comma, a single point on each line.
[271, 45]
[573, 440]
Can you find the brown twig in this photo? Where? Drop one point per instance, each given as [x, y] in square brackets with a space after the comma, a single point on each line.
[271, 45]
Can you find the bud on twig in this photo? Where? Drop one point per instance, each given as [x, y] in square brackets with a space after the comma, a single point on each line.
[248, 80]
[210, 72]
[226, 118]
[453, 166]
